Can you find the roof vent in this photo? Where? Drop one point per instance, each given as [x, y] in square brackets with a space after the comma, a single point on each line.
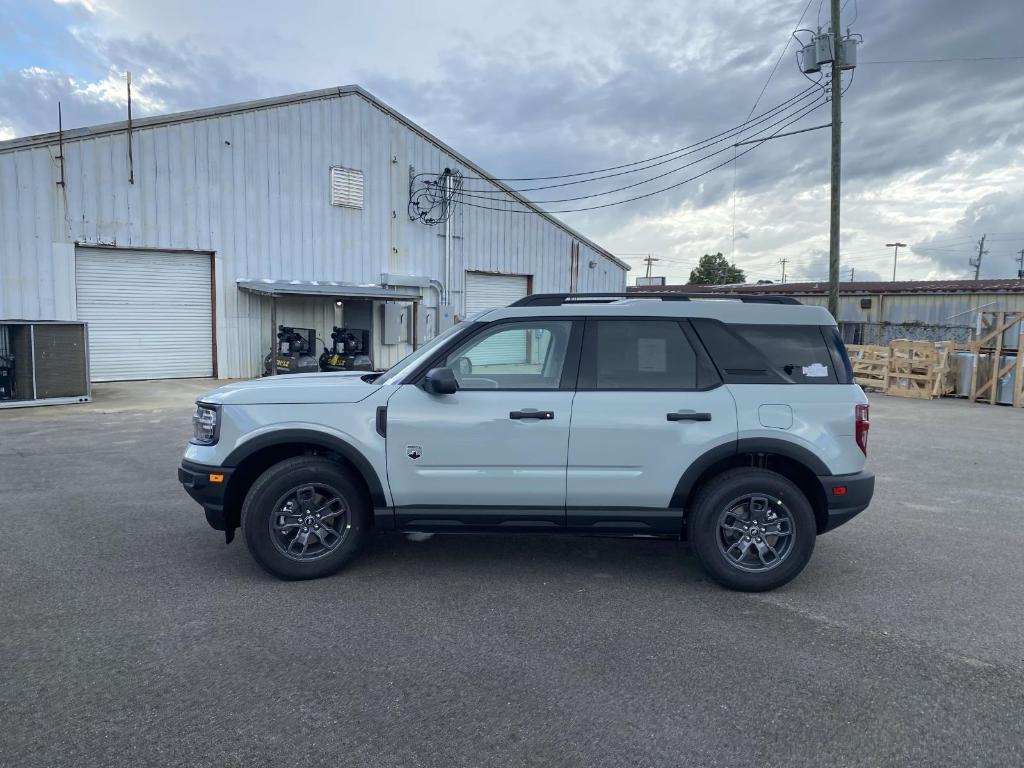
[346, 187]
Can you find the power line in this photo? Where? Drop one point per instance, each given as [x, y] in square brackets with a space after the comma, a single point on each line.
[805, 112]
[779, 60]
[764, 88]
[676, 154]
[788, 133]
[818, 101]
[856, 12]
[675, 151]
[940, 61]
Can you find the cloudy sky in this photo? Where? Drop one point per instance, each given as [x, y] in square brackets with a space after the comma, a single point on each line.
[933, 152]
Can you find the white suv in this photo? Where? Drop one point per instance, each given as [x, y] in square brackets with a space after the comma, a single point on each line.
[733, 423]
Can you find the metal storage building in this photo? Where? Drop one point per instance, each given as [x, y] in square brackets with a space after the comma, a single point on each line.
[876, 312]
[179, 253]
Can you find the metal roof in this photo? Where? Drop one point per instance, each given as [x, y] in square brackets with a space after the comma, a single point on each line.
[45, 139]
[821, 288]
[325, 288]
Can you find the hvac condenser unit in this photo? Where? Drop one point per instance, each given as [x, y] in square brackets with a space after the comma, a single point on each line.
[43, 362]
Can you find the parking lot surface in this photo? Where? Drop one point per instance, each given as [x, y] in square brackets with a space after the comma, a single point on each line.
[131, 635]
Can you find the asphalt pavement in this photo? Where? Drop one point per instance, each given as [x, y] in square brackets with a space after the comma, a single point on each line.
[130, 635]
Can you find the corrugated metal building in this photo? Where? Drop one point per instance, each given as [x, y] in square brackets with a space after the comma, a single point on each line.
[173, 258]
[877, 312]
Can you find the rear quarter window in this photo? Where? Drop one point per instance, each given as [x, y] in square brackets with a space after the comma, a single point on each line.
[775, 354]
[798, 351]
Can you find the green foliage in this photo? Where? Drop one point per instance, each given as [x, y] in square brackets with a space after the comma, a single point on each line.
[713, 269]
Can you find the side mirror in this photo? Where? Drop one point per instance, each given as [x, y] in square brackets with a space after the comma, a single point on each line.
[441, 381]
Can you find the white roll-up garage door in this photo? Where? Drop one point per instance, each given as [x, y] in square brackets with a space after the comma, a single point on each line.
[150, 314]
[484, 292]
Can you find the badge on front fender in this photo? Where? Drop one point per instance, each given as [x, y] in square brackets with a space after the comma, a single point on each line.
[413, 451]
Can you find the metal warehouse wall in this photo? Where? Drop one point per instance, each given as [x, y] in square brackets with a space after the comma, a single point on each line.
[927, 308]
[252, 187]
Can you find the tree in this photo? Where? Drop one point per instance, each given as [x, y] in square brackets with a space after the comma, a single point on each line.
[713, 269]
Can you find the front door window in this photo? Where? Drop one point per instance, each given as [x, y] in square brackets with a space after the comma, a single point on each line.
[527, 355]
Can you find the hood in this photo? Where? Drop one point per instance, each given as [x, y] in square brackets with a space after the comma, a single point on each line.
[295, 388]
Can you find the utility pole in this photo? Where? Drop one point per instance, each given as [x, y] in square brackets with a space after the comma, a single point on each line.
[783, 263]
[650, 260]
[837, 136]
[895, 254]
[976, 261]
[1020, 262]
[851, 274]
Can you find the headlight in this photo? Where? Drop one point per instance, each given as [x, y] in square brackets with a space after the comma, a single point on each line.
[206, 424]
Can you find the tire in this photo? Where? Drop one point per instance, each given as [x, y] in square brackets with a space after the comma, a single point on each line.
[719, 537]
[280, 505]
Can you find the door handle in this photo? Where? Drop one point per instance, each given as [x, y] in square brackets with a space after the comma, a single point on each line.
[688, 416]
[532, 414]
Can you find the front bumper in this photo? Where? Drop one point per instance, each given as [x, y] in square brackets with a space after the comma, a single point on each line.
[200, 483]
[845, 505]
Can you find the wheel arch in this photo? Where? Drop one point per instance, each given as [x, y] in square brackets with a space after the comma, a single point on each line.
[792, 461]
[250, 459]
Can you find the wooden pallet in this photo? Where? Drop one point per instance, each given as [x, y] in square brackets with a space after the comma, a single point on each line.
[870, 365]
[988, 348]
[916, 369]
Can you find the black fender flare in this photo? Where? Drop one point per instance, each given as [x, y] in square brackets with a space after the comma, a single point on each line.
[739, 447]
[320, 440]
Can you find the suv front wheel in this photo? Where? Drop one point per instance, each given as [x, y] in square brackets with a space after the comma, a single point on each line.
[304, 518]
[751, 529]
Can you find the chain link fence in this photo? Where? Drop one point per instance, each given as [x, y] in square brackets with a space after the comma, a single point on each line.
[883, 333]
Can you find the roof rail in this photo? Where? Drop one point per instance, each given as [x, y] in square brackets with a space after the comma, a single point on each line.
[557, 299]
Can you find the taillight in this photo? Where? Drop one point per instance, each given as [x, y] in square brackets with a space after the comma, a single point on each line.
[863, 424]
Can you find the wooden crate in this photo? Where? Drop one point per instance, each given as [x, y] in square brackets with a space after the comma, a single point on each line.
[914, 367]
[870, 365]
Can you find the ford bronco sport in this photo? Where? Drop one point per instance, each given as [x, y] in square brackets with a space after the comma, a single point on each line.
[731, 422]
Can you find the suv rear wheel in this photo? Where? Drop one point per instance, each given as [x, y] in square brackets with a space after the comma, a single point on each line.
[304, 518]
[751, 529]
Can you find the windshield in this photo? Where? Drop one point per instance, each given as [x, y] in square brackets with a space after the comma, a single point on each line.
[407, 363]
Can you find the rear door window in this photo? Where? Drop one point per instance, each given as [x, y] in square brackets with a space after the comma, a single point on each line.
[632, 354]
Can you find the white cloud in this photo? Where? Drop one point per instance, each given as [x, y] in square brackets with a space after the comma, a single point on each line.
[113, 89]
[534, 88]
[89, 5]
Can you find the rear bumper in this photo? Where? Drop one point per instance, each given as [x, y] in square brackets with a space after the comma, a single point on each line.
[195, 478]
[843, 506]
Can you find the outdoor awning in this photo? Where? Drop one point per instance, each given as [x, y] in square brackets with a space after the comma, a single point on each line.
[325, 288]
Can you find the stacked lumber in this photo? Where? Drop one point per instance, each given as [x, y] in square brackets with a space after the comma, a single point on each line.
[945, 371]
[870, 365]
[914, 369]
